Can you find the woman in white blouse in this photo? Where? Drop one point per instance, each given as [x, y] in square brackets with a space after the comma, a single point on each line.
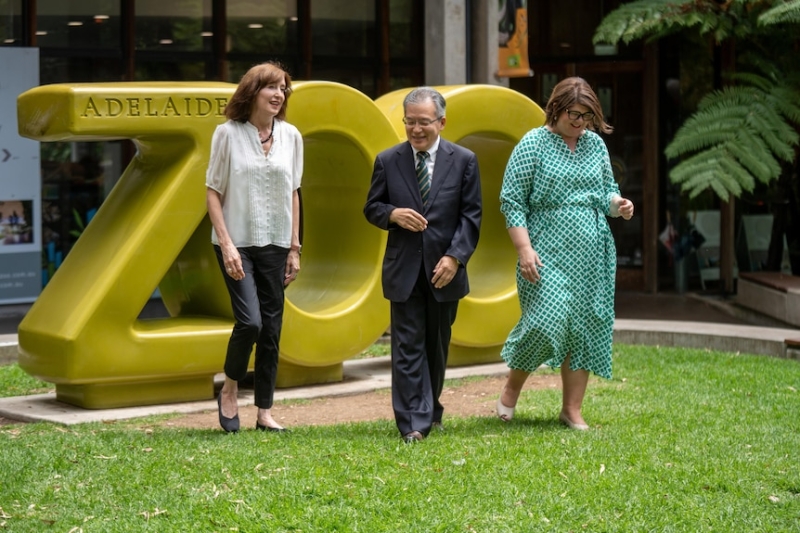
[252, 195]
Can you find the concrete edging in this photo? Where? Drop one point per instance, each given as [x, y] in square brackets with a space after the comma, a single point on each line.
[720, 337]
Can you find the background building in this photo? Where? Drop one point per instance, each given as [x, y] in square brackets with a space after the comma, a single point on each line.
[375, 46]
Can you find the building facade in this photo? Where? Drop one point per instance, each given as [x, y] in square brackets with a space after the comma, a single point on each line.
[375, 46]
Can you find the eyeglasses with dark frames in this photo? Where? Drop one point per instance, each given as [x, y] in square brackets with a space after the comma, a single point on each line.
[575, 115]
[423, 122]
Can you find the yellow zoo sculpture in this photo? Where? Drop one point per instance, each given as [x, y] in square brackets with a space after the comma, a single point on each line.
[83, 332]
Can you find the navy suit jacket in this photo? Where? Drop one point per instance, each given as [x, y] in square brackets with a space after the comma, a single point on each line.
[453, 213]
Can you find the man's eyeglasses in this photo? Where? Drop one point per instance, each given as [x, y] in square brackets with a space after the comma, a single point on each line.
[574, 115]
[423, 122]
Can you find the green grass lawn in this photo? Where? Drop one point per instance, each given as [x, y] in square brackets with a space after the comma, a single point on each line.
[682, 440]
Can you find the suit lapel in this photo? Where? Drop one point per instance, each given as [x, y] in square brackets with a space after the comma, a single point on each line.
[441, 170]
[405, 164]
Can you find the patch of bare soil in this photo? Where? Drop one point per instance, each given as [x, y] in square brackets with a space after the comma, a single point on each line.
[467, 398]
[471, 398]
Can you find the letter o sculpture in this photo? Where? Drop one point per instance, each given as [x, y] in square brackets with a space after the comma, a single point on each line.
[490, 121]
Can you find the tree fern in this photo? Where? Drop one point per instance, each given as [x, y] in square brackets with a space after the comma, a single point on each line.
[737, 136]
[788, 11]
[653, 19]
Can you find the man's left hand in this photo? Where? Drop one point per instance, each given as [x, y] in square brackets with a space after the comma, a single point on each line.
[445, 271]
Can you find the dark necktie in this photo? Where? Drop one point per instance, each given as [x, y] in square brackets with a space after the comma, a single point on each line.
[423, 176]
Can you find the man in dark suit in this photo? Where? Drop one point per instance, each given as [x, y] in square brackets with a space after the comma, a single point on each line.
[426, 192]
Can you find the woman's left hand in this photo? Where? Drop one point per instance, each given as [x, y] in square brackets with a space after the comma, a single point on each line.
[625, 207]
[292, 267]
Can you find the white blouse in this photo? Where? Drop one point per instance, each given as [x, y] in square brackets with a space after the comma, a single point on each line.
[255, 189]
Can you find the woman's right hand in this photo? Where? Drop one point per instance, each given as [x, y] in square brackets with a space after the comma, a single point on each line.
[529, 262]
[232, 261]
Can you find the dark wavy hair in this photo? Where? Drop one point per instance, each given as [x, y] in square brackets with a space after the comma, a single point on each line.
[241, 103]
[572, 91]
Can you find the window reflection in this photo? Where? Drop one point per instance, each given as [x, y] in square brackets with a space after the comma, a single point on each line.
[173, 26]
[76, 178]
[10, 22]
[170, 70]
[264, 28]
[344, 28]
[88, 24]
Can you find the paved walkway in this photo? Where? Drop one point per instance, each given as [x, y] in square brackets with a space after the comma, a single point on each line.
[664, 319]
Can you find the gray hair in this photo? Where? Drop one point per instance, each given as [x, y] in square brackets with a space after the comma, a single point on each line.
[423, 94]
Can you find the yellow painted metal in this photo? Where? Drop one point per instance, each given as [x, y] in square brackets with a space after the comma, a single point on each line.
[490, 121]
[83, 333]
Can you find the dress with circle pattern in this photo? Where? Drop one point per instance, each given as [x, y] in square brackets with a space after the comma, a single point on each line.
[563, 197]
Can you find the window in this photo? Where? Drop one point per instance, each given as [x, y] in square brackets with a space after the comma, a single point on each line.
[86, 24]
[10, 22]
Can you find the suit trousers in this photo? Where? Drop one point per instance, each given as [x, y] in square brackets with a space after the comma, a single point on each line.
[257, 303]
[420, 329]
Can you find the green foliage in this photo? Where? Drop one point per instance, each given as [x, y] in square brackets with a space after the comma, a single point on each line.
[654, 19]
[785, 12]
[681, 441]
[740, 133]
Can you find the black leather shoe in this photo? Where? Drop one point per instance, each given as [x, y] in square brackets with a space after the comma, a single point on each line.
[437, 426]
[412, 437]
[267, 428]
[230, 425]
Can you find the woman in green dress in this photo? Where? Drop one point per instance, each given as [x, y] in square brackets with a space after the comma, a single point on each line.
[557, 190]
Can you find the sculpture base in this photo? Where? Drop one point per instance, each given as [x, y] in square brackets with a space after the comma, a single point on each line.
[465, 355]
[114, 395]
[291, 375]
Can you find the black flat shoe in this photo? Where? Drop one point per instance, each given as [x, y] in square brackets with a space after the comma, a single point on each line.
[267, 428]
[230, 425]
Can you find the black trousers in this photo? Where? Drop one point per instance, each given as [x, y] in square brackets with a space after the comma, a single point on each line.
[420, 330]
[257, 302]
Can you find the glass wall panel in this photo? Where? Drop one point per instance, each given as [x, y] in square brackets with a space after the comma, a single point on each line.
[78, 24]
[171, 70]
[11, 23]
[343, 28]
[402, 41]
[177, 25]
[237, 69]
[361, 79]
[265, 28]
[564, 29]
[76, 178]
[78, 69]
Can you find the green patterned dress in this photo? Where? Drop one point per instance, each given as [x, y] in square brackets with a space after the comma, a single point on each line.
[563, 197]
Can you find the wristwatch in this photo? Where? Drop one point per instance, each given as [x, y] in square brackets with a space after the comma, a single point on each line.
[298, 249]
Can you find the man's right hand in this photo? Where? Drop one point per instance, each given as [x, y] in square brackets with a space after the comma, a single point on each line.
[408, 219]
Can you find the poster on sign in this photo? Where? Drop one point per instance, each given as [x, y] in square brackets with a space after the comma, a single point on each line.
[16, 222]
[20, 184]
[512, 43]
